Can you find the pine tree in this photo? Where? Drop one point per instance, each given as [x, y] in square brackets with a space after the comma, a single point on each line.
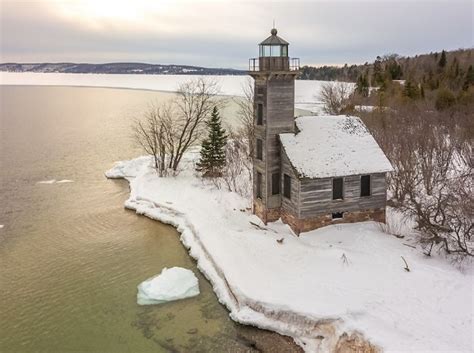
[469, 78]
[362, 85]
[213, 148]
[442, 60]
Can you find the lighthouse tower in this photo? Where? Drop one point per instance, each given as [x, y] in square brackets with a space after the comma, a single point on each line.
[274, 104]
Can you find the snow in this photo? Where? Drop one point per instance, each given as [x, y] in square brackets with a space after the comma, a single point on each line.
[171, 284]
[306, 91]
[328, 146]
[364, 108]
[303, 287]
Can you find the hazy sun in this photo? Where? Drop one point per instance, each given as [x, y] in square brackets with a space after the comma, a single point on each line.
[120, 10]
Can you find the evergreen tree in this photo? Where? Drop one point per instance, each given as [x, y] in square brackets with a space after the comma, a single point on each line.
[411, 90]
[469, 81]
[442, 60]
[362, 85]
[379, 75]
[213, 147]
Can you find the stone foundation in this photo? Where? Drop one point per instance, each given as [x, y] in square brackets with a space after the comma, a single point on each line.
[266, 215]
[305, 225]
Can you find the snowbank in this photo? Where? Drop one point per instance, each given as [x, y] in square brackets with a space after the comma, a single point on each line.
[341, 278]
[171, 284]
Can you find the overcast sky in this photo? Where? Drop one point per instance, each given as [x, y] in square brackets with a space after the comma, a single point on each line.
[225, 33]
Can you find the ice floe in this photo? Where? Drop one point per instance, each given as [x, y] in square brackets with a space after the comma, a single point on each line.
[171, 284]
[54, 181]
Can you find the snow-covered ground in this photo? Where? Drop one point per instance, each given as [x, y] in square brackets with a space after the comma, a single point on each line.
[306, 91]
[337, 279]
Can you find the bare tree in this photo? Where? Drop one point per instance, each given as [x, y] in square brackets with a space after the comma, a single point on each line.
[238, 169]
[166, 132]
[196, 99]
[245, 113]
[433, 177]
[151, 133]
[336, 97]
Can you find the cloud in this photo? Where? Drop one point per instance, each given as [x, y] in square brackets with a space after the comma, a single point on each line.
[225, 33]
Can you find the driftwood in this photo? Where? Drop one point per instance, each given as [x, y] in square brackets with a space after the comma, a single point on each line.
[258, 226]
[406, 265]
[411, 246]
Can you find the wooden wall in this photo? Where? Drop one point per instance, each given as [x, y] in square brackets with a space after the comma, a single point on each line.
[292, 205]
[316, 196]
[277, 94]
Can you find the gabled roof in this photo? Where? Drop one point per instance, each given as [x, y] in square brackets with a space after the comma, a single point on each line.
[333, 146]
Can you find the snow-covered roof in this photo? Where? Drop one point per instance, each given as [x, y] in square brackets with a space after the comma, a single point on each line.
[328, 146]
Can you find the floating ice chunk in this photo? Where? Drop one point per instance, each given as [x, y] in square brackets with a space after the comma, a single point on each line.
[1, 226]
[64, 181]
[52, 181]
[171, 284]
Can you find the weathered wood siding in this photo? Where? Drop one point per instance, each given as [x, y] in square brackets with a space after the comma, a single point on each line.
[291, 205]
[277, 95]
[316, 196]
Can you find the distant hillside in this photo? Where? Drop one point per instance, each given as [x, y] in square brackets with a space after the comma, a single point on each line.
[417, 68]
[118, 68]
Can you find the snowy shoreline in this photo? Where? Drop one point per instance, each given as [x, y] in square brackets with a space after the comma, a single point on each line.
[301, 288]
[306, 91]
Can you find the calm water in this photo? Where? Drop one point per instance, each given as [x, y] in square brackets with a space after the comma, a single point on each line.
[71, 256]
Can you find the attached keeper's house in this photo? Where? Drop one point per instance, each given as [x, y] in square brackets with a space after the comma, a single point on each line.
[310, 171]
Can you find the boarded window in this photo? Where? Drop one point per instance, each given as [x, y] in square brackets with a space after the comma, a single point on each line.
[365, 185]
[259, 114]
[287, 186]
[275, 183]
[337, 192]
[259, 149]
[259, 185]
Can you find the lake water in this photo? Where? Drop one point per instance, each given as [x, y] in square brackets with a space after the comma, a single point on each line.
[71, 256]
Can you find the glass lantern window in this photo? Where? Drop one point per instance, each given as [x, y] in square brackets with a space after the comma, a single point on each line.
[273, 50]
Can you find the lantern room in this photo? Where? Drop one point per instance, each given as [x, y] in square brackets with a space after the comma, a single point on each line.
[273, 56]
[273, 46]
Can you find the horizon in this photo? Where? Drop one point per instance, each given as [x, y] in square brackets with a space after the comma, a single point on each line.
[213, 34]
[218, 67]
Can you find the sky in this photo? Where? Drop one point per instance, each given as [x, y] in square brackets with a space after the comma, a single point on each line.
[225, 33]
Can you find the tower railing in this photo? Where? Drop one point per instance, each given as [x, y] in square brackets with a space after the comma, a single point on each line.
[255, 64]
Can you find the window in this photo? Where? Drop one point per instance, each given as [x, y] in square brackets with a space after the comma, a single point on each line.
[267, 50]
[338, 215]
[259, 185]
[337, 189]
[259, 114]
[275, 183]
[259, 149]
[287, 186]
[365, 185]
